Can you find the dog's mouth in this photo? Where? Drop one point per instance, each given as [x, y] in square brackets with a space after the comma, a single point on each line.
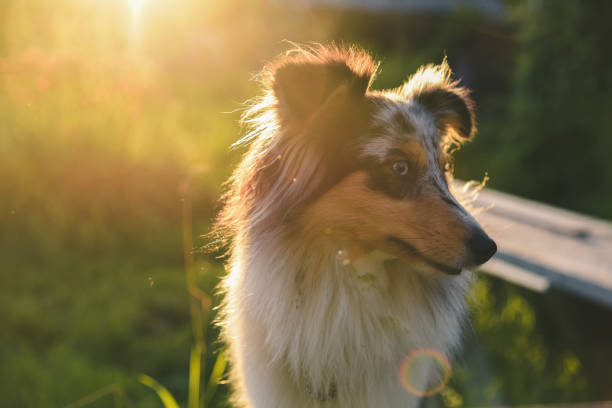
[413, 252]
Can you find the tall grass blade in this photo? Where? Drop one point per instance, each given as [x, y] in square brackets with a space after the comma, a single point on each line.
[215, 376]
[194, 376]
[164, 395]
[114, 389]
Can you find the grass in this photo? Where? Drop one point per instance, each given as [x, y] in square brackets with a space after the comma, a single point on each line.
[77, 325]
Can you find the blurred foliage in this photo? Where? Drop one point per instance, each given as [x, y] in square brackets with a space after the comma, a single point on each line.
[550, 140]
[521, 366]
[108, 118]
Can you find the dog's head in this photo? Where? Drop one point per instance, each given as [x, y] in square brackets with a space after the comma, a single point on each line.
[363, 168]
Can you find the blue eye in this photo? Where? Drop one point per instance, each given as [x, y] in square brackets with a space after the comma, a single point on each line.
[400, 168]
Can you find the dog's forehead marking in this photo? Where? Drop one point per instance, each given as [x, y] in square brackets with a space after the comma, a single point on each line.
[414, 149]
[404, 125]
[378, 147]
[409, 127]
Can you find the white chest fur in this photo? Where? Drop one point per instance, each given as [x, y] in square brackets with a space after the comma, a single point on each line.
[332, 326]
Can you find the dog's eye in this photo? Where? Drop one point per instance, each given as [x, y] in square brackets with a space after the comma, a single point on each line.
[400, 168]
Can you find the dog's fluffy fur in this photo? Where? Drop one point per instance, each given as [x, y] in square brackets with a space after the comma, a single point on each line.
[347, 247]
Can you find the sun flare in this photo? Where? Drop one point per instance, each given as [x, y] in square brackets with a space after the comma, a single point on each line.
[136, 7]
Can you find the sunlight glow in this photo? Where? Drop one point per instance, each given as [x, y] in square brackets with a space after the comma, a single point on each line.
[136, 7]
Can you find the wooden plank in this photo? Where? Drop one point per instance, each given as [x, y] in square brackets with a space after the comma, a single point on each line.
[517, 275]
[570, 251]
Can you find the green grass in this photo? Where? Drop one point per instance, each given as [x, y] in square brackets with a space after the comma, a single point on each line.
[76, 325]
[73, 325]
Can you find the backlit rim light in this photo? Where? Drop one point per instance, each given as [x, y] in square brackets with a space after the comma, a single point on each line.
[404, 371]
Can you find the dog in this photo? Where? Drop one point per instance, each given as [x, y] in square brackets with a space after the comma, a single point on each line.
[347, 248]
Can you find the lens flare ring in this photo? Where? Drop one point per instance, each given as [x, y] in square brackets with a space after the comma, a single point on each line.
[438, 357]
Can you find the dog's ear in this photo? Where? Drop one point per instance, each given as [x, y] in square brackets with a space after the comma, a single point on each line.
[452, 109]
[450, 104]
[306, 81]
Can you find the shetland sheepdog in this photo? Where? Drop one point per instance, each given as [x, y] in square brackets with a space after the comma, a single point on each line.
[347, 248]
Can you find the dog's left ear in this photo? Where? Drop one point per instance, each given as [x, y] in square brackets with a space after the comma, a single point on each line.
[320, 79]
[450, 104]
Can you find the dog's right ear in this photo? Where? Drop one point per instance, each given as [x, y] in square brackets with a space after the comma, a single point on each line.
[449, 103]
[306, 81]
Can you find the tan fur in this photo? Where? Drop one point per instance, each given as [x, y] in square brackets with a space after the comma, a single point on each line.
[353, 213]
[415, 150]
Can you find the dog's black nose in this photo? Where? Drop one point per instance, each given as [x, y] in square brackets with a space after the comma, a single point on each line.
[481, 247]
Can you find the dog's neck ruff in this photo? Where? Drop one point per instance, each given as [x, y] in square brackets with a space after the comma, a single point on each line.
[340, 326]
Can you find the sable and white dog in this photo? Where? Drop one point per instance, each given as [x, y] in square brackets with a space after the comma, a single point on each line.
[347, 247]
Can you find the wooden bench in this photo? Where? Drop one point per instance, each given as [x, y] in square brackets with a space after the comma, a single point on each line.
[540, 246]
